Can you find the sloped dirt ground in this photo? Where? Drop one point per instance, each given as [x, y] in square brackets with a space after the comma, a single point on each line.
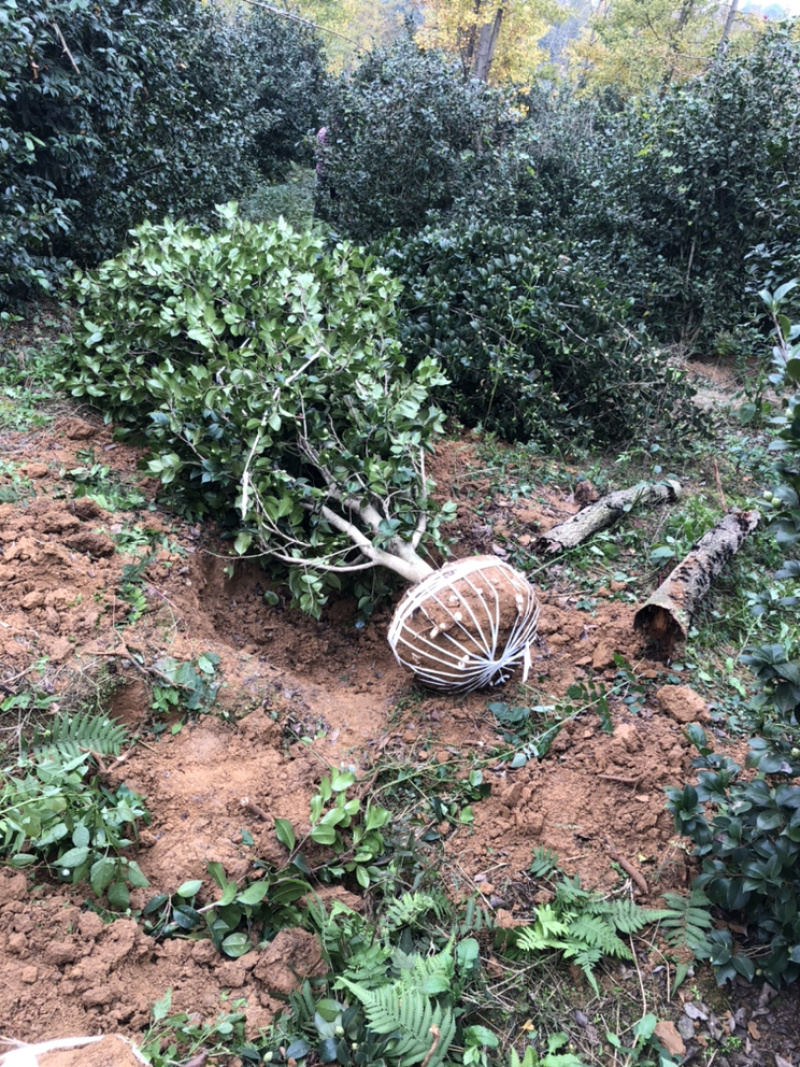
[597, 795]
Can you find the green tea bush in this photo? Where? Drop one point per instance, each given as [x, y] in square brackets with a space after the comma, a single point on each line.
[263, 373]
[286, 63]
[111, 113]
[409, 138]
[670, 198]
[535, 347]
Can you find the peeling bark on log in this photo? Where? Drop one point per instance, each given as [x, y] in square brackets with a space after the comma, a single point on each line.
[666, 617]
[605, 512]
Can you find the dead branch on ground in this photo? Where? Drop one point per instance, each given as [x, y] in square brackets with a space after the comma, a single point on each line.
[666, 616]
[605, 512]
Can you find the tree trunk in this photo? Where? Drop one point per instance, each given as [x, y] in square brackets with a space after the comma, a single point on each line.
[667, 616]
[605, 512]
[723, 44]
[487, 42]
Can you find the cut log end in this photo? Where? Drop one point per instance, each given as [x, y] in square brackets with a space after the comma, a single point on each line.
[661, 627]
[666, 617]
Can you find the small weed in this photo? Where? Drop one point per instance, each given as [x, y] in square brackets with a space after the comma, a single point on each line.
[532, 737]
[191, 685]
[26, 383]
[17, 489]
[181, 1037]
[131, 589]
[340, 822]
[55, 808]
[237, 920]
[97, 481]
[645, 1050]
[452, 808]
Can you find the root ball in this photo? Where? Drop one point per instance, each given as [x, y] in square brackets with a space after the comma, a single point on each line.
[467, 626]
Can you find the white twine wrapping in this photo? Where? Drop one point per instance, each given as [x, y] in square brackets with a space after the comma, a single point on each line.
[472, 656]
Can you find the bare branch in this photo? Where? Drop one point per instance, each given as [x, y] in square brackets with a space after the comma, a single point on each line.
[64, 47]
[281, 13]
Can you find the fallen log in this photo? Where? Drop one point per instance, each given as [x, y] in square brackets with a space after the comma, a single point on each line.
[666, 616]
[605, 512]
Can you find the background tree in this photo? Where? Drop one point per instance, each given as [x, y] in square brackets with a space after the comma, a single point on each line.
[492, 38]
[633, 46]
[352, 28]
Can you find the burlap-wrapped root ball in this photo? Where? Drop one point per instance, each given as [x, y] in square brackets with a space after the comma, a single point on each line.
[467, 626]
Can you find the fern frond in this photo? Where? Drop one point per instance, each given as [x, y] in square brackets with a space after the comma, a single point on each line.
[545, 861]
[628, 916]
[67, 736]
[132, 572]
[687, 921]
[412, 1020]
[594, 932]
[367, 966]
[407, 909]
[301, 1002]
[569, 892]
[533, 940]
[685, 925]
[550, 922]
[587, 959]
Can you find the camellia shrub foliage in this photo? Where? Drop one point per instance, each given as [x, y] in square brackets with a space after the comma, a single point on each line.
[263, 373]
[747, 832]
[284, 65]
[112, 112]
[534, 347]
[410, 138]
[677, 199]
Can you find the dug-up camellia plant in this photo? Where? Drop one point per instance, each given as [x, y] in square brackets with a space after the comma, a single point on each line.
[263, 373]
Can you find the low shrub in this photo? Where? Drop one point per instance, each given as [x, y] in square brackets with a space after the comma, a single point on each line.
[263, 374]
[749, 847]
[535, 348]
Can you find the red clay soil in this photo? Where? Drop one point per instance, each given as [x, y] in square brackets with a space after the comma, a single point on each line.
[285, 676]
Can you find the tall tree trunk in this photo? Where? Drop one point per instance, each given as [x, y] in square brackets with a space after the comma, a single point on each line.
[468, 41]
[487, 42]
[683, 17]
[723, 44]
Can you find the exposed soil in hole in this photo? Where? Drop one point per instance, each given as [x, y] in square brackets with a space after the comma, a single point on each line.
[286, 677]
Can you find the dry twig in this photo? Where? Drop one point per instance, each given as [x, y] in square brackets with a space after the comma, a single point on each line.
[436, 1034]
[65, 47]
[627, 866]
[254, 809]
